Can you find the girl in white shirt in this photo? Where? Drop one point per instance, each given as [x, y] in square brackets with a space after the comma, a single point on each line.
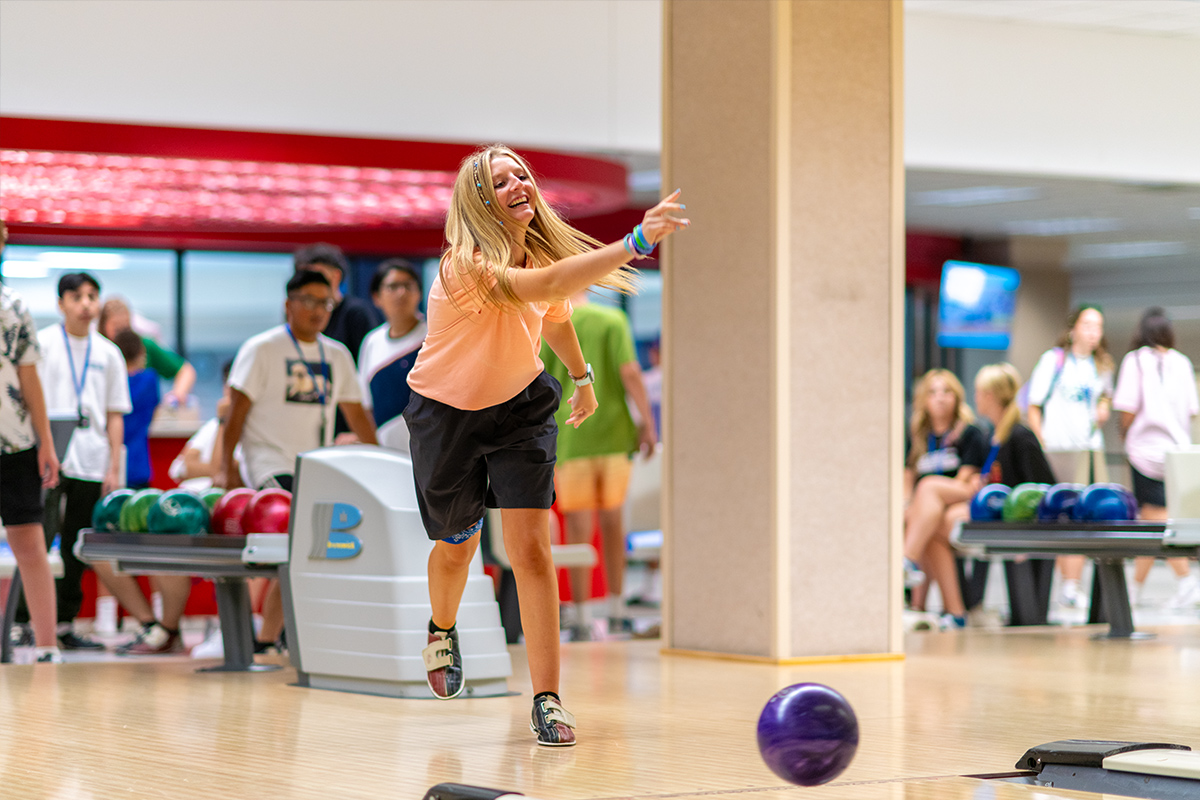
[1156, 396]
[1070, 399]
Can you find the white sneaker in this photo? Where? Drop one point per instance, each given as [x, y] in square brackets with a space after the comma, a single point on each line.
[1187, 595]
[913, 576]
[1070, 596]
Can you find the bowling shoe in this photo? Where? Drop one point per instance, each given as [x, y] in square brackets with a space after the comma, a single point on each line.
[1187, 595]
[69, 640]
[553, 724]
[152, 640]
[443, 665]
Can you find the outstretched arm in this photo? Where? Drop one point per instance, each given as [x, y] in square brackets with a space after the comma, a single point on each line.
[576, 273]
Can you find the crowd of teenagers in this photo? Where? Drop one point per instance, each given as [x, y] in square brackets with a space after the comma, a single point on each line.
[472, 390]
[1049, 430]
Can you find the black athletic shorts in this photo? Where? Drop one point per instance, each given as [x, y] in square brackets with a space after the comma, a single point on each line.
[1147, 490]
[498, 457]
[20, 488]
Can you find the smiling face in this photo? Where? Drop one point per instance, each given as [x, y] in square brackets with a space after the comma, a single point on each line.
[514, 190]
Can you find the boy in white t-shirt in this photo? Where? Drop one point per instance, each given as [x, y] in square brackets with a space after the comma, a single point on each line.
[83, 374]
[285, 386]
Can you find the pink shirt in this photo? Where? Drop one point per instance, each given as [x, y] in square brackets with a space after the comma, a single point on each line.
[478, 354]
[1160, 390]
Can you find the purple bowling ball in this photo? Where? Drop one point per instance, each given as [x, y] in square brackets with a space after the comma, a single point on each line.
[807, 734]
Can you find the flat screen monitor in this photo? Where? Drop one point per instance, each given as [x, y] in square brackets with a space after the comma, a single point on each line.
[976, 303]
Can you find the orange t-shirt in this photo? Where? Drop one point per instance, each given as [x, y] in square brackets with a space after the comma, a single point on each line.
[478, 354]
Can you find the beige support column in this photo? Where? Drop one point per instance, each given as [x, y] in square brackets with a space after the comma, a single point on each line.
[783, 328]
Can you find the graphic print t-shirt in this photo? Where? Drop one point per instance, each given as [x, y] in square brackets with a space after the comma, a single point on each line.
[285, 381]
[947, 453]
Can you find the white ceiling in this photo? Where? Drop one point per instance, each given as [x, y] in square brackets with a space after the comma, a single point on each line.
[1165, 17]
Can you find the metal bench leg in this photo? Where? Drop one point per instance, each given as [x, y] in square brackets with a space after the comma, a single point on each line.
[1110, 573]
[237, 629]
[10, 613]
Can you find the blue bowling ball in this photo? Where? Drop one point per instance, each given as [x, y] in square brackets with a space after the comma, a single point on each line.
[807, 734]
[988, 504]
[1060, 502]
[1106, 502]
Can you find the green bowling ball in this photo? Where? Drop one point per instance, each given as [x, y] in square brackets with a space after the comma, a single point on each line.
[178, 511]
[133, 513]
[210, 498]
[1023, 501]
[106, 515]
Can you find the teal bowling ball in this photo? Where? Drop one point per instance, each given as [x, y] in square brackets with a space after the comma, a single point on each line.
[178, 511]
[106, 515]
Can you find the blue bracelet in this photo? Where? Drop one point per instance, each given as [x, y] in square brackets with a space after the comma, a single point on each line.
[642, 247]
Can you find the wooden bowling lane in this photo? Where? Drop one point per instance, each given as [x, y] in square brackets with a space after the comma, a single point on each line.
[650, 726]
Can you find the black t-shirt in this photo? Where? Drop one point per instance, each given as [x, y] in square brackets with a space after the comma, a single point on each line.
[351, 321]
[1021, 460]
[949, 453]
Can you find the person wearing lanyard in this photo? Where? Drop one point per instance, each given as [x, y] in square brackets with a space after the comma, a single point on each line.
[83, 375]
[284, 387]
[943, 456]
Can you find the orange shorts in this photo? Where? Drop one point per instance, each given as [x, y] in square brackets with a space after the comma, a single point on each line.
[588, 484]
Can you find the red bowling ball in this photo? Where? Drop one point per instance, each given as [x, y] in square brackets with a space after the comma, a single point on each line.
[269, 511]
[227, 512]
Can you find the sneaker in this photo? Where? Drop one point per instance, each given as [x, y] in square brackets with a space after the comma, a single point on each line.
[553, 724]
[268, 648]
[48, 655]
[443, 665]
[913, 577]
[620, 627]
[152, 640]
[1069, 596]
[1187, 595]
[20, 635]
[72, 641]
[580, 633]
[949, 622]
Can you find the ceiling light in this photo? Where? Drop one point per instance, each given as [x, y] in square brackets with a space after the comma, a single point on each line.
[1116, 250]
[976, 196]
[54, 259]
[24, 269]
[1063, 227]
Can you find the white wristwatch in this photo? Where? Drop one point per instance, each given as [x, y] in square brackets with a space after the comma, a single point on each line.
[588, 378]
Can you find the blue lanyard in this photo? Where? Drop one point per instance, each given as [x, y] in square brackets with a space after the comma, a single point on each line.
[987, 465]
[76, 383]
[308, 366]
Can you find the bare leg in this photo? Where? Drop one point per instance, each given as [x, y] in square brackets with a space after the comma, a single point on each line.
[527, 540]
[176, 589]
[932, 497]
[127, 591]
[579, 531]
[448, 572]
[1142, 565]
[612, 530]
[939, 557]
[1071, 567]
[1180, 566]
[28, 544]
[272, 613]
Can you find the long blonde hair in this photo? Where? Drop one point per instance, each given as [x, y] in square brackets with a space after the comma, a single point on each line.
[1002, 381]
[920, 426]
[480, 245]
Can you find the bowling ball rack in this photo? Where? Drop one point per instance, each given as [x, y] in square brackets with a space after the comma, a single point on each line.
[1109, 544]
[227, 560]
